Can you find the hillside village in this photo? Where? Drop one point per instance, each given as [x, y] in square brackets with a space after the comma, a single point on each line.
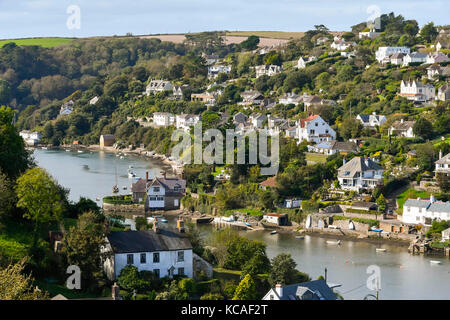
[363, 118]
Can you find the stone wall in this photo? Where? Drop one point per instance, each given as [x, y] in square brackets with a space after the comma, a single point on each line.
[359, 227]
[125, 208]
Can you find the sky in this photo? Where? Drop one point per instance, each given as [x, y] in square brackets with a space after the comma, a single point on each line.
[38, 18]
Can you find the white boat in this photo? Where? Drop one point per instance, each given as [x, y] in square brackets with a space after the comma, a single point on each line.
[300, 237]
[273, 232]
[67, 150]
[435, 262]
[44, 148]
[381, 249]
[80, 151]
[124, 188]
[334, 242]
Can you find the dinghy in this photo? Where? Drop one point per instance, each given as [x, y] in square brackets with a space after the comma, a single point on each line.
[380, 249]
[435, 262]
[334, 242]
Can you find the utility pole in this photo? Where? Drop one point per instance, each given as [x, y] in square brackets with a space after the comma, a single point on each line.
[326, 274]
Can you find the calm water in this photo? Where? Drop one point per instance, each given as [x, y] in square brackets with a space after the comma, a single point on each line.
[402, 276]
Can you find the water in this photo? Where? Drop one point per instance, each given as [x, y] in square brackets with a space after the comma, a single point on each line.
[93, 174]
[403, 276]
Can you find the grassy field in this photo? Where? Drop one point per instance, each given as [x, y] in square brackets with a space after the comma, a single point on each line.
[316, 158]
[250, 212]
[268, 34]
[43, 42]
[410, 193]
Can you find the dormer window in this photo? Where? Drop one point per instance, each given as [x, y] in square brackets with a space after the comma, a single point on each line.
[155, 189]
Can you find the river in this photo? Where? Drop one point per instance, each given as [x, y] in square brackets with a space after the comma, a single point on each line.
[403, 276]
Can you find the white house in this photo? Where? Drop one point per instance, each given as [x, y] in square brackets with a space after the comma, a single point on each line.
[446, 234]
[158, 86]
[268, 70]
[402, 128]
[314, 129]
[437, 70]
[414, 57]
[164, 252]
[384, 52]
[163, 119]
[302, 62]
[312, 290]
[213, 71]
[371, 120]
[333, 147]
[275, 218]
[208, 98]
[257, 120]
[443, 92]
[443, 164]
[437, 57]
[30, 138]
[186, 121]
[66, 108]
[251, 97]
[416, 91]
[342, 45]
[372, 34]
[291, 98]
[424, 211]
[165, 193]
[360, 173]
[396, 58]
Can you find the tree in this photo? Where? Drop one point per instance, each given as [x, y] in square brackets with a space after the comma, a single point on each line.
[284, 272]
[130, 279]
[82, 247]
[246, 290]
[429, 32]
[7, 195]
[15, 285]
[381, 201]
[423, 128]
[39, 194]
[14, 159]
[425, 156]
[350, 128]
[251, 43]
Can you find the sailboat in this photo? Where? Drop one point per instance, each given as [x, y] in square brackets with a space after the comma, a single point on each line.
[115, 188]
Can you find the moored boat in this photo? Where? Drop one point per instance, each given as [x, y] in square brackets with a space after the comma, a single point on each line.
[381, 249]
[334, 242]
[435, 262]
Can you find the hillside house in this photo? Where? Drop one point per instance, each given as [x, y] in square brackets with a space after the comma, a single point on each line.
[66, 108]
[371, 34]
[371, 120]
[164, 252]
[314, 129]
[333, 147]
[163, 119]
[414, 57]
[257, 120]
[402, 128]
[416, 91]
[30, 138]
[178, 91]
[210, 58]
[302, 62]
[360, 173]
[396, 58]
[424, 211]
[342, 45]
[156, 86]
[383, 53]
[312, 290]
[442, 165]
[215, 70]
[251, 97]
[239, 118]
[436, 57]
[268, 70]
[443, 92]
[291, 98]
[186, 121]
[436, 70]
[165, 193]
[208, 98]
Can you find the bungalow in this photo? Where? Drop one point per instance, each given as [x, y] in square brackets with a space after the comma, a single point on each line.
[414, 57]
[436, 57]
[158, 86]
[314, 129]
[186, 121]
[416, 91]
[165, 193]
[443, 92]
[163, 119]
[30, 138]
[402, 128]
[371, 120]
[164, 252]
[268, 70]
[342, 45]
[312, 290]
[275, 218]
[360, 173]
[424, 211]
[333, 147]
[443, 164]
[384, 52]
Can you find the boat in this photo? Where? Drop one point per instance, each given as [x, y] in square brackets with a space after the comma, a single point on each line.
[124, 187]
[375, 229]
[44, 148]
[435, 262]
[300, 237]
[80, 151]
[115, 189]
[247, 224]
[131, 174]
[381, 249]
[273, 232]
[67, 150]
[334, 242]
[162, 220]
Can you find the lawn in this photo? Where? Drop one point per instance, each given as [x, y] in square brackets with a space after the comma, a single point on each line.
[15, 240]
[410, 194]
[316, 157]
[250, 212]
[43, 42]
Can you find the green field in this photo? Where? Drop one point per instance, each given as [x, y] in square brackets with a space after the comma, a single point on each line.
[316, 157]
[43, 42]
[268, 34]
[410, 194]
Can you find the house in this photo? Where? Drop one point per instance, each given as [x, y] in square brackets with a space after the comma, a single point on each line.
[416, 91]
[360, 173]
[371, 34]
[414, 57]
[291, 132]
[251, 97]
[314, 99]
[443, 164]
[107, 140]
[402, 128]
[312, 290]
[268, 183]
[371, 120]
[278, 219]
[164, 252]
[397, 58]
[158, 86]
[165, 193]
[341, 45]
[333, 147]
[302, 62]
[292, 203]
[139, 191]
[163, 119]
[178, 91]
[291, 98]
[66, 108]
[424, 211]
[215, 70]
[384, 52]
[276, 124]
[210, 58]
[443, 92]
[208, 98]
[314, 129]
[239, 118]
[257, 120]
[436, 70]
[436, 57]
[30, 138]
[446, 235]
[186, 121]
[268, 70]
[94, 100]
[321, 40]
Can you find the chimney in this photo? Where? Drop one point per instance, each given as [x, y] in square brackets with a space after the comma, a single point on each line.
[155, 226]
[279, 289]
[115, 292]
[366, 160]
[146, 176]
[180, 225]
[432, 199]
[401, 121]
[344, 161]
[440, 154]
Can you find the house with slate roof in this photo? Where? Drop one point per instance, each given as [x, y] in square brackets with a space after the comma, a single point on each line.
[371, 120]
[360, 173]
[312, 290]
[443, 164]
[424, 211]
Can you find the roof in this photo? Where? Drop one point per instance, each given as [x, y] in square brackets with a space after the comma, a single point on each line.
[148, 241]
[310, 118]
[270, 182]
[140, 186]
[422, 203]
[358, 164]
[363, 204]
[444, 160]
[405, 125]
[319, 289]
[439, 206]
[169, 183]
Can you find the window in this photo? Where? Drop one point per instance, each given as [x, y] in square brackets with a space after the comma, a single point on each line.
[159, 198]
[271, 297]
[316, 124]
[152, 198]
[181, 271]
[155, 189]
[156, 273]
[130, 259]
[143, 258]
[180, 256]
[156, 257]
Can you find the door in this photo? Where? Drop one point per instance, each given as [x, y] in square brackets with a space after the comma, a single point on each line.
[176, 202]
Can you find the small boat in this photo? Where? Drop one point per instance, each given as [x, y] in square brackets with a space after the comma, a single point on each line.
[124, 187]
[115, 189]
[44, 148]
[247, 224]
[162, 220]
[121, 157]
[273, 232]
[67, 150]
[375, 229]
[131, 174]
[381, 249]
[97, 199]
[300, 237]
[80, 151]
[334, 242]
[435, 262]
